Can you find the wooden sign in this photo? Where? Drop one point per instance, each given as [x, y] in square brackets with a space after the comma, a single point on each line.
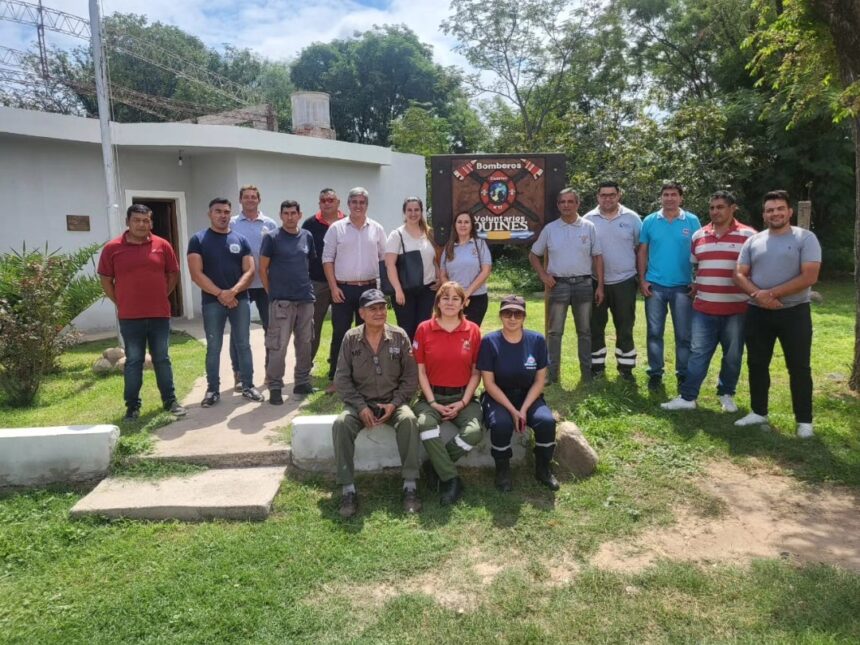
[511, 196]
[77, 222]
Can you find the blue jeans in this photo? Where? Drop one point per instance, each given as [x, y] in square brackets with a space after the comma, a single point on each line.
[260, 298]
[215, 316]
[676, 300]
[708, 331]
[578, 294]
[136, 334]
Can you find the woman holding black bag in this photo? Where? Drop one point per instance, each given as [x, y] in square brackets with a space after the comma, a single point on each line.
[410, 265]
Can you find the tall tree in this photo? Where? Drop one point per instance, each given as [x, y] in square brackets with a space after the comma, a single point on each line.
[809, 51]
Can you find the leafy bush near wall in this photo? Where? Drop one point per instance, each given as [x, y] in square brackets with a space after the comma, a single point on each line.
[40, 294]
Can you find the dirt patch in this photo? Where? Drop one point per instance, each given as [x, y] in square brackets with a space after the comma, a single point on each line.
[761, 513]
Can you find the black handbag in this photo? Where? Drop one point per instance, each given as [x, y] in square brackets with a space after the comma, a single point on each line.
[410, 271]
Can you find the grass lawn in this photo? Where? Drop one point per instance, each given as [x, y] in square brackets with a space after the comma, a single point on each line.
[484, 571]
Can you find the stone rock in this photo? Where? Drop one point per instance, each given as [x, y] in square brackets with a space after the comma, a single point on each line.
[147, 362]
[573, 454]
[113, 354]
[119, 366]
[102, 366]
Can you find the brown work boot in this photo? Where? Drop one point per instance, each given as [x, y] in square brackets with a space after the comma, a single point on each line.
[411, 501]
[348, 505]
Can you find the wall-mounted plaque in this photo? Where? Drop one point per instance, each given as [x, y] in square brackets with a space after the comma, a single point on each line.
[77, 222]
[511, 196]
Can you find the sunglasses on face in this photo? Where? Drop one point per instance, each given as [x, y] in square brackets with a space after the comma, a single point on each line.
[327, 200]
[512, 313]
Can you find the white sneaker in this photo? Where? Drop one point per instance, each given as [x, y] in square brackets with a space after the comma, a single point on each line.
[804, 430]
[727, 403]
[678, 403]
[752, 419]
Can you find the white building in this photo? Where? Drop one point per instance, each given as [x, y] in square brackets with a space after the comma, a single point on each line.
[51, 167]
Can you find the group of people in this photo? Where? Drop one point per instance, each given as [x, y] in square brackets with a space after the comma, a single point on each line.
[724, 284]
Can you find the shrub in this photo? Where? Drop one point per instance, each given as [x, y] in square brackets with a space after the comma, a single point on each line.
[40, 294]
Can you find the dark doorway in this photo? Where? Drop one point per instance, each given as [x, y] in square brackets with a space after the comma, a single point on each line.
[164, 224]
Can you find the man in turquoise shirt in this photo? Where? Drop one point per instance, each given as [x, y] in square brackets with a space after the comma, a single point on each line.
[665, 279]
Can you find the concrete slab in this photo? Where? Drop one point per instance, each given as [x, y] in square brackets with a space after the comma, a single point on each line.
[376, 449]
[55, 455]
[235, 432]
[233, 494]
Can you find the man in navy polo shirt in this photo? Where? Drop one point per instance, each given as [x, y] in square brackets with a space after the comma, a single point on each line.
[284, 258]
[665, 279]
[137, 271]
[222, 266]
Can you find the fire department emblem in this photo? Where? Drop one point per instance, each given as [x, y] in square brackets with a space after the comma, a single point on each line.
[498, 192]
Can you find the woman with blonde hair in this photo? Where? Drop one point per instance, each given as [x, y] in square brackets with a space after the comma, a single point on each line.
[446, 350]
[466, 259]
[411, 307]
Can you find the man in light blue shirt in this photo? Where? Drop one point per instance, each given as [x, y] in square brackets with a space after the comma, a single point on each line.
[573, 248]
[665, 279]
[252, 225]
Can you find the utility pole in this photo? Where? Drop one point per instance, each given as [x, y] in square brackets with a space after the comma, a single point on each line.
[104, 119]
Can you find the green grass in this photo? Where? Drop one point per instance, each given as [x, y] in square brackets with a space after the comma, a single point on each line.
[305, 576]
[76, 396]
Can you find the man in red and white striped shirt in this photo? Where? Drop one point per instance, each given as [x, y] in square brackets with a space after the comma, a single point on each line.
[719, 307]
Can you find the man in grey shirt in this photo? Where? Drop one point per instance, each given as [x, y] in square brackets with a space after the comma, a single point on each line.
[252, 225]
[618, 231]
[776, 268]
[573, 248]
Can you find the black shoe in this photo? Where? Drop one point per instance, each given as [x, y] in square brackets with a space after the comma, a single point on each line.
[210, 399]
[428, 473]
[131, 413]
[252, 394]
[176, 408]
[627, 376]
[543, 473]
[304, 389]
[348, 505]
[411, 501]
[275, 397]
[503, 475]
[655, 383]
[452, 490]
[597, 374]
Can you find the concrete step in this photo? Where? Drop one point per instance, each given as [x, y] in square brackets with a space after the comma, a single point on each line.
[233, 494]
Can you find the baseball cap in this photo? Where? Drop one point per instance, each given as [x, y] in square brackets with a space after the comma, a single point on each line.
[515, 303]
[371, 297]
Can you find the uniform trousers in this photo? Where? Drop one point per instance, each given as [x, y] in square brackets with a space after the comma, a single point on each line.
[322, 293]
[289, 318]
[501, 424]
[443, 455]
[620, 300]
[346, 428]
[576, 293]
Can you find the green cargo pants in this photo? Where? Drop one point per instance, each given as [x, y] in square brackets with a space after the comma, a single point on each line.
[443, 455]
[346, 428]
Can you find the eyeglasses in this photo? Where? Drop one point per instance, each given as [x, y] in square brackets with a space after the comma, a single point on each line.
[327, 200]
[377, 365]
[512, 313]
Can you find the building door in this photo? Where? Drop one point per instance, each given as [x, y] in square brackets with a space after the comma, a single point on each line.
[164, 224]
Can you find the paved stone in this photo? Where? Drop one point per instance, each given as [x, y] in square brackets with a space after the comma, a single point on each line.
[58, 454]
[376, 449]
[234, 494]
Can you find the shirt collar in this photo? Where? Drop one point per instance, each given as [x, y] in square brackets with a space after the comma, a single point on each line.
[322, 220]
[125, 239]
[709, 227]
[435, 326]
[681, 216]
[260, 217]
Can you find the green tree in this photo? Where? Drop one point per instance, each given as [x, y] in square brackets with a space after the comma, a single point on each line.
[808, 51]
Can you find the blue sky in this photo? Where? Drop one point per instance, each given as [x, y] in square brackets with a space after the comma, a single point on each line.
[276, 29]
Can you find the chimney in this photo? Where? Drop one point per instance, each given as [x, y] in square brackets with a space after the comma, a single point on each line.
[311, 115]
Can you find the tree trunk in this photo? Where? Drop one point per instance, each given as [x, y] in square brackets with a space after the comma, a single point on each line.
[843, 20]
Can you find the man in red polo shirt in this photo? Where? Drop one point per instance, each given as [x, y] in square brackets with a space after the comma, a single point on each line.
[138, 270]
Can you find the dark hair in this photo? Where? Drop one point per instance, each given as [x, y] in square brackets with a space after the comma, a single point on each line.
[290, 203]
[725, 195]
[781, 195]
[608, 184]
[220, 200]
[327, 190]
[672, 185]
[453, 237]
[141, 209]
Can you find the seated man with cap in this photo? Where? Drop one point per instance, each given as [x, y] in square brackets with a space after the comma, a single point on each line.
[376, 377]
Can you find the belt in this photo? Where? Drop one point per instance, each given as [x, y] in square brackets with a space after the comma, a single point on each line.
[358, 283]
[571, 278]
[441, 389]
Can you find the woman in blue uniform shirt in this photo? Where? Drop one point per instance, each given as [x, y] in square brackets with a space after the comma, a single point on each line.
[513, 363]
